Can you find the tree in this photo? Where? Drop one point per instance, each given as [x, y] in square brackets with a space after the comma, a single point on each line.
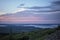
[58, 28]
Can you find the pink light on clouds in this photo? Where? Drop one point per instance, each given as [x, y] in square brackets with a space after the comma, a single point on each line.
[32, 19]
[19, 19]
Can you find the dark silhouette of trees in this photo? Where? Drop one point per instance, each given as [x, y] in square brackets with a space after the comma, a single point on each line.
[58, 28]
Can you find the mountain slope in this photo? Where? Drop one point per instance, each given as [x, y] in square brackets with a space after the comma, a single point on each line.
[43, 34]
[54, 36]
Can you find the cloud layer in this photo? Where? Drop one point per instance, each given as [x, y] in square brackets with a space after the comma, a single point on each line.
[35, 15]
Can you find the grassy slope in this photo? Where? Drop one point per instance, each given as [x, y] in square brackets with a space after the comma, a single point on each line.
[34, 35]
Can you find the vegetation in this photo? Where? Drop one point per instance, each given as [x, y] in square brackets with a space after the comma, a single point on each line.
[33, 35]
[58, 28]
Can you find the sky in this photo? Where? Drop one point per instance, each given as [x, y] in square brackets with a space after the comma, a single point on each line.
[9, 6]
[29, 11]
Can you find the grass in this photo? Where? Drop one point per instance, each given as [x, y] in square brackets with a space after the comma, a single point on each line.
[33, 35]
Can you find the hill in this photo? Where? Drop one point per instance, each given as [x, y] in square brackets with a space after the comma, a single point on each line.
[40, 34]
